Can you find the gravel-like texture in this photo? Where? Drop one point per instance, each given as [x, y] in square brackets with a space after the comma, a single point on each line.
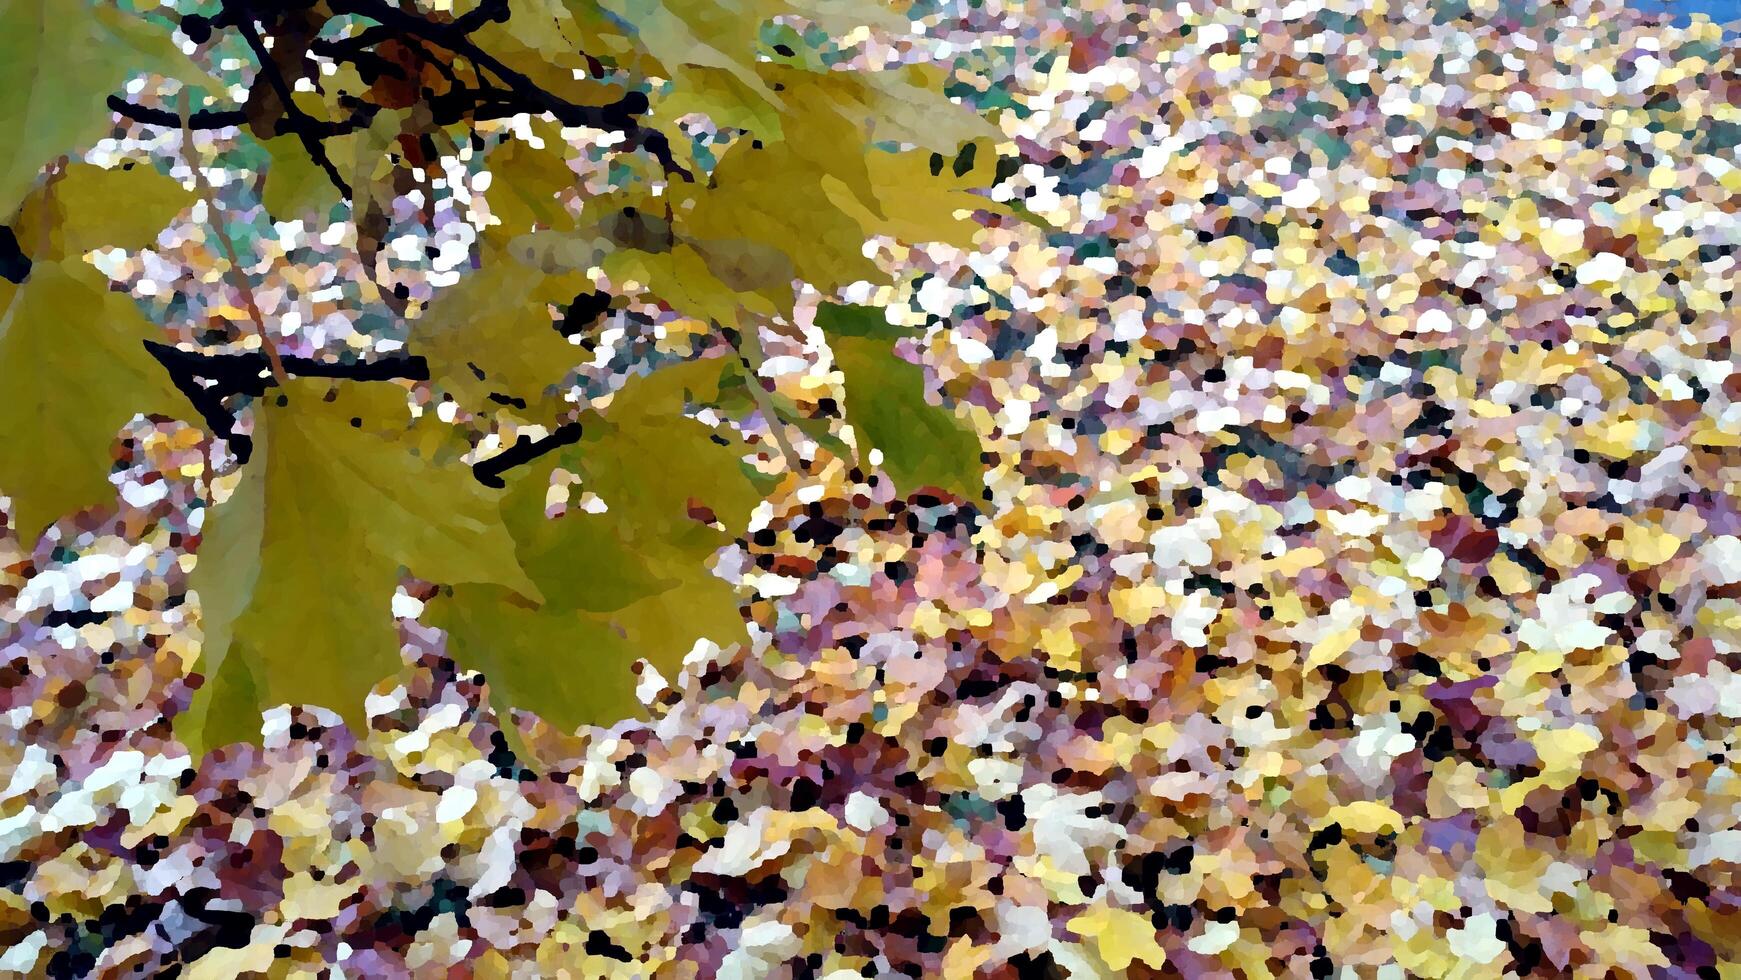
[1357, 591]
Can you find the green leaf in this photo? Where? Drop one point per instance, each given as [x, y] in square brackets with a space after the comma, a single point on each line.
[295, 184]
[75, 371]
[773, 197]
[824, 182]
[841, 320]
[525, 181]
[719, 95]
[684, 34]
[59, 63]
[368, 160]
[607, 222]
[80, 212]
[649, 461]
[574, 668]
[735, 398]
[309, 550]
[226, 569]
[922, 444]
[626, 584]
[496, 322]
[681, 278]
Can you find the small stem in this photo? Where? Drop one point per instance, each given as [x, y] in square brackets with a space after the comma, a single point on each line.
[45, 229]
[524, 450]
[299, 122]
[764, 404]
[204, 119]
[238, 276]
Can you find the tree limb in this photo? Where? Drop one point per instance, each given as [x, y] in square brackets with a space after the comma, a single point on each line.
[247, 373]
[216, 220]
[300, 123]
[204, 119]
[524, 450]
[622, 115]
[208, 379]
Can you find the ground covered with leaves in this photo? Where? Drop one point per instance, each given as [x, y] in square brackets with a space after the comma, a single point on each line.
[1354, 589]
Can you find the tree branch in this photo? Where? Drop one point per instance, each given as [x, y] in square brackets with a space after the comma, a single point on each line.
[250, 373]
[226, 118]
[300, 124]
[204, 119]
[524, 450]
[620, 116]
[247, 373]
[216, 219]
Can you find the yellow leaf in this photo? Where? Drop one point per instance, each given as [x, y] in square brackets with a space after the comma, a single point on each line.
[1644, 546]
[337, 504]
[1362, 817]
[963, 958]
[76, 371]
[1562, 750]
[1119, 936]
[1328, 649]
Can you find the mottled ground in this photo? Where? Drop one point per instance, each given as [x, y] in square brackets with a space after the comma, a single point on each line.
[1356, 591]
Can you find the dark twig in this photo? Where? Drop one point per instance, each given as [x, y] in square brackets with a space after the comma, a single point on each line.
[366, 61]
[300, 124]
[208, 401]
[344, 48]
[246, 372]
[14, 264]
[225, 118]
[489, 10]
[208, 379]
[524, 450]
[238, 275]
[620, 116]
[204, 119]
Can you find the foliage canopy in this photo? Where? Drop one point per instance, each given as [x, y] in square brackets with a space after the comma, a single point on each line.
[717, 157]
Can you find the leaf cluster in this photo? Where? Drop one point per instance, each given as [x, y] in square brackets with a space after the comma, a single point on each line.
[744, 164]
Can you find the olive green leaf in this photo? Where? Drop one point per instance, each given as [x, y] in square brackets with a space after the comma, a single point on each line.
[525, 182]
[492, 333]
[295, 185]
[79, 212]
[76, 370]
[923, 444]
[226, 569]
[368, 162]
[71, 349]
[308, 550]
[723, 98]
[771, 196]
[680, 277]
[60, 60]
[622, 585]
